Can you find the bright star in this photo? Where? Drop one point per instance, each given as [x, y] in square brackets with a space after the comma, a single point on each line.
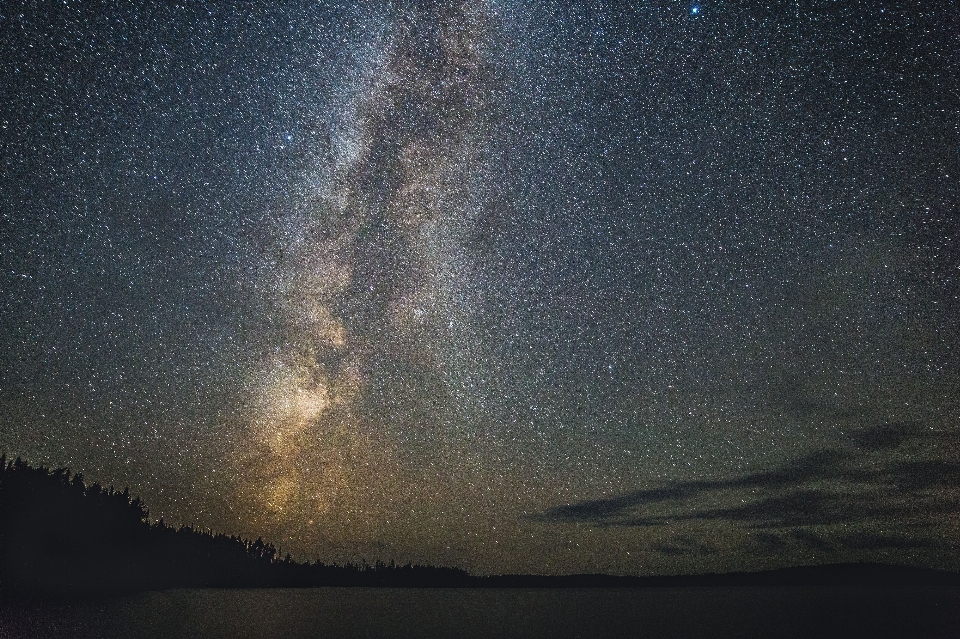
[695, 9]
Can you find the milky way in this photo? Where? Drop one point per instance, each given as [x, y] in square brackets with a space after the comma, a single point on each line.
[375, 279]
[512, 286]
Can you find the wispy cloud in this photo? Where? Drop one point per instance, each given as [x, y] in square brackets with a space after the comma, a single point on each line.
[882, 478]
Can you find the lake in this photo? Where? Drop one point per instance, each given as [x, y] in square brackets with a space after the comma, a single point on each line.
[802, 611]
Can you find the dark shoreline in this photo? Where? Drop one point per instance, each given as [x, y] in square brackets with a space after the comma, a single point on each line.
[819, 575]
[861, 576]
[60, 538]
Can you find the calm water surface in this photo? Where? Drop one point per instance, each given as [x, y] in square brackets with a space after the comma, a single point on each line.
[359, 612]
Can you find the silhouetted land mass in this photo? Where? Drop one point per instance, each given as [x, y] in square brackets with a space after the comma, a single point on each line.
[60, 537]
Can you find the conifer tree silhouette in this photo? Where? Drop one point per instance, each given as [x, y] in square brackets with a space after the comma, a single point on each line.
[58, 535]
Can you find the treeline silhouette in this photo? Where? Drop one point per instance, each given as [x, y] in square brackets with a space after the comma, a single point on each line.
[60, 536]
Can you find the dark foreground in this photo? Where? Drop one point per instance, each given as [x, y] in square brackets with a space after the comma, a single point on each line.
[84, 561]
[745, 611]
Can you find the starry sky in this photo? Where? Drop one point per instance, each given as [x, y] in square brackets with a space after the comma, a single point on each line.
[510, 285]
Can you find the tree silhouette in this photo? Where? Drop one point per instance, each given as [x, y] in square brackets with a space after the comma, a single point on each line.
[58, 535]
[61, 537]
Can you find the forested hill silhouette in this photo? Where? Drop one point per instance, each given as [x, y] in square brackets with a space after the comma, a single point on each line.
[59, 537]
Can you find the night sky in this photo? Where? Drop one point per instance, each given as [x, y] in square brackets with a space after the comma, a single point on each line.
[507, 285]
